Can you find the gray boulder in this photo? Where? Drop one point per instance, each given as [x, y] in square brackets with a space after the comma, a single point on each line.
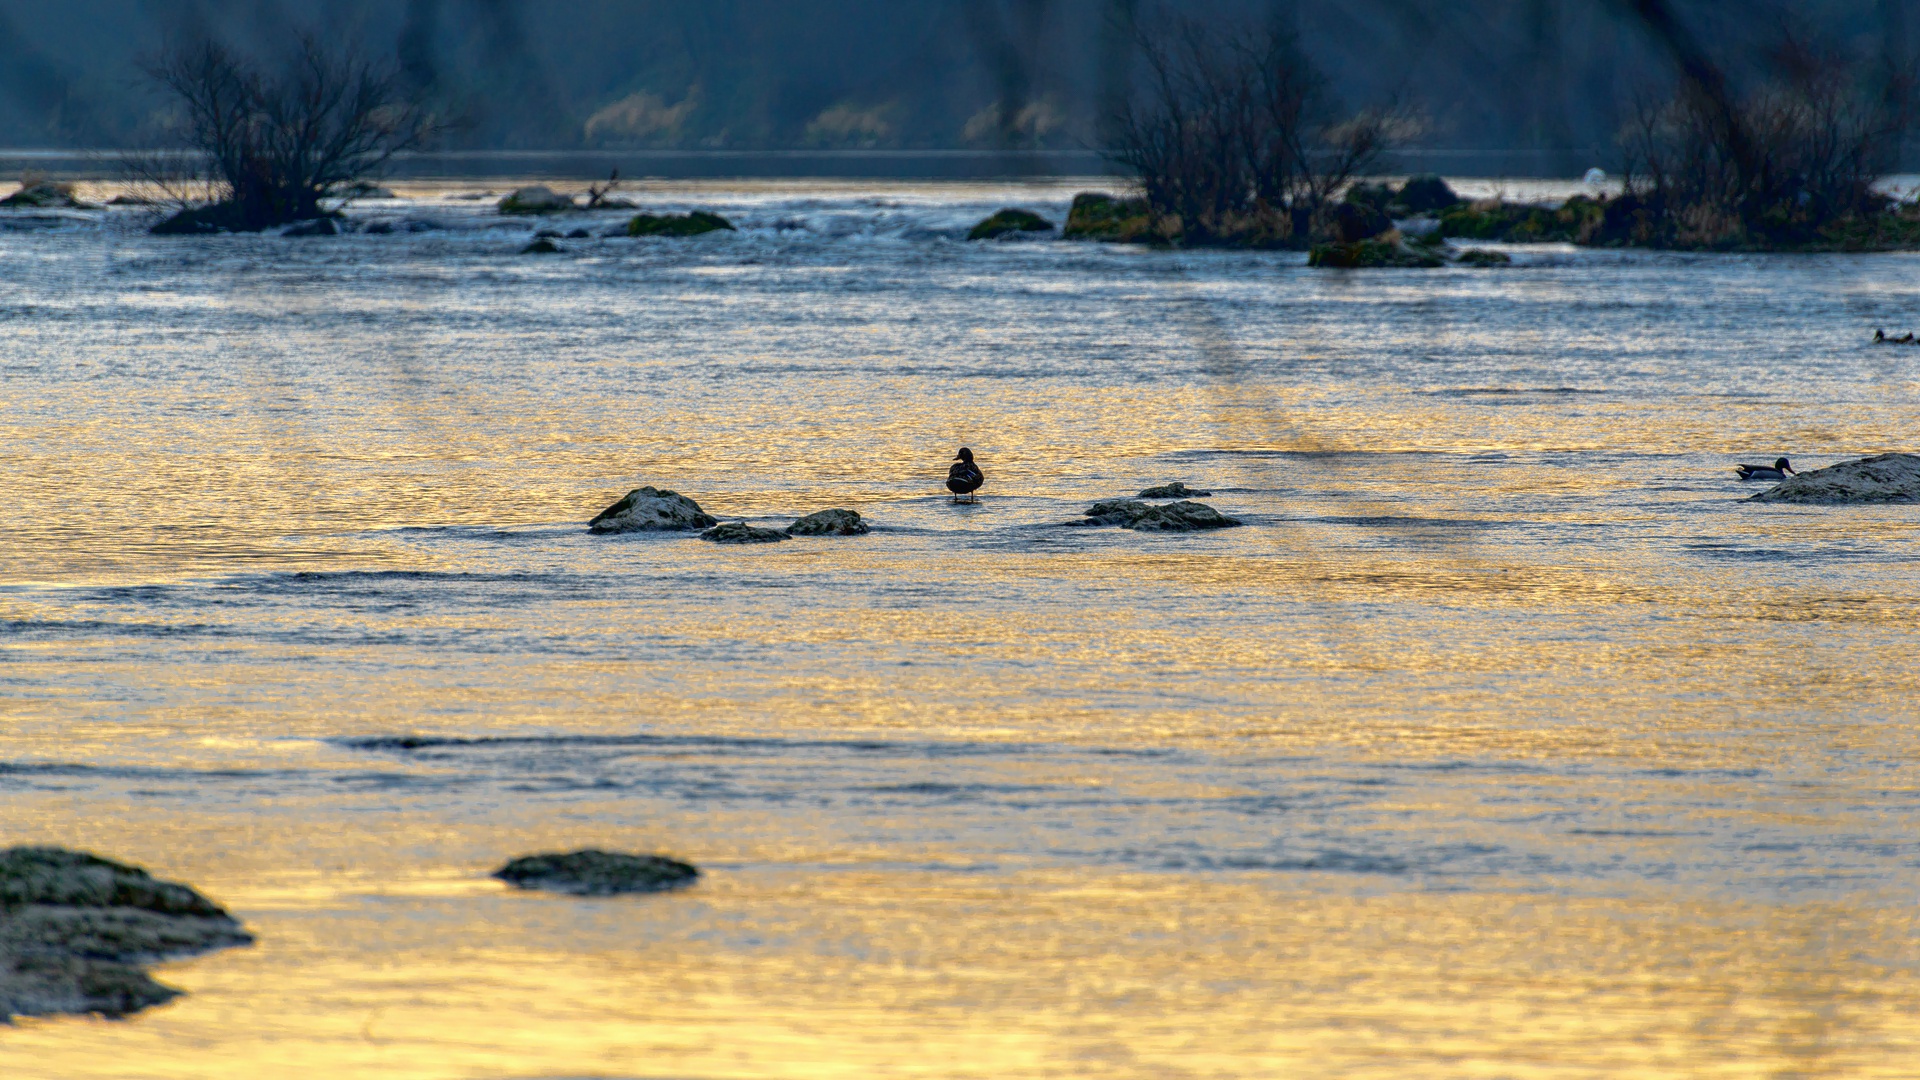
[76, 931]
[598, 873]
[829, 523]
[739, 532]
[537, 199]
[1140, 517]
[652, 510]
[1175, 490]
[1888, 478]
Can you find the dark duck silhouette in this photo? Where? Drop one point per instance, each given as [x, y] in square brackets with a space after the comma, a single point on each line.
[1780, 470]
[965, 477]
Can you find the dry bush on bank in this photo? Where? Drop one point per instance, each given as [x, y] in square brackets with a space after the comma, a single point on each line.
[1235, 139]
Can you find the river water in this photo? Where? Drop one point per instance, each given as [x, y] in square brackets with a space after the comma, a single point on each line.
[1504, 741]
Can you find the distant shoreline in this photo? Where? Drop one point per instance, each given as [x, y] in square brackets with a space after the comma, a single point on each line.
[581, 165]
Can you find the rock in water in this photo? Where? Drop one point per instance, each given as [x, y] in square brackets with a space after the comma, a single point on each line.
[75, 930]
[1175, 490]
[597, 873]
[739, 532]
[537, 199]
[1140, 517]
[1010, 221]
[1425, 194]
[1386, 251]
[316, 227]
[1889, 478]
[45, 195]
[829, 523]
[541, 246]
[678, 224]
[1094, 216]
[652, 510]
[1181, 517]
[1483, 257]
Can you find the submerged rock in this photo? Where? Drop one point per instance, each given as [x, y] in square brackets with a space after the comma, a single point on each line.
[1140, 517]
[693, 224]
[597, 873]
[1175, 490]
[1387, 251]
[76, 929]
[1483, 257]
[1888, 478]
[1010, 221]
[1094, 216]
[739, 532]
[829, 523]
[650, 509]
[316, 227]
[538, 199]
[542, 246]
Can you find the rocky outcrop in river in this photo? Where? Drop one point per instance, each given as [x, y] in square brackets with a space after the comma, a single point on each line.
[76, 931]
[1175, 490]
[650, 509]
[1009, 222]
[1140, 517]
[1889, 478]
[739, 532]
[829, 523]
[593, 872]
[537, 199]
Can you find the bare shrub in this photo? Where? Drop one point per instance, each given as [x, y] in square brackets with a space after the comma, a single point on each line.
[1235, 138]
[1785, 164]
[270, 146]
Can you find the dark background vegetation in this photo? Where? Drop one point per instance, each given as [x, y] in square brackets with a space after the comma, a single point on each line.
[1514, 86]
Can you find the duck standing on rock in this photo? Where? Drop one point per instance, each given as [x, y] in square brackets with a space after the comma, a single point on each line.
[1779, 471]
[965, 478]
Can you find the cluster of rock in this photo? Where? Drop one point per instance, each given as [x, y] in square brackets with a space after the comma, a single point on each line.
[1888, 478]
[1140, 516]
[77, 932]
[649, 509]
[45, 195]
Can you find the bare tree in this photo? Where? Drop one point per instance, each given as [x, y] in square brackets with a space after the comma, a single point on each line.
[276, 144]
[1235, 138]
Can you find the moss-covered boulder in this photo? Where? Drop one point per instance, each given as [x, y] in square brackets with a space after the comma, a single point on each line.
[1425, 194]
[649, 509]
[693, 224]
[1388, 251]
[739, 532]
[77, 930]
[593, 872]
[829, 523]
[1095, 216]
[537, 199]
[1579, 220]
[1010, 222]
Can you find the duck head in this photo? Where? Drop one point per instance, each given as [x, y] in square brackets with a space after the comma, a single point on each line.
[1784, 467]
[965, 455]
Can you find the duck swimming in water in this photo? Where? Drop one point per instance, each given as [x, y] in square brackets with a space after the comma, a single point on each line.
[965, 477]
[1780, 471]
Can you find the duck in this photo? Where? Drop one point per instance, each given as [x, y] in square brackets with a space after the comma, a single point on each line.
[965, 478]
[1780, 470]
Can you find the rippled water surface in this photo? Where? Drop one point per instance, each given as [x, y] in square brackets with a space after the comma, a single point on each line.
[1506, 740]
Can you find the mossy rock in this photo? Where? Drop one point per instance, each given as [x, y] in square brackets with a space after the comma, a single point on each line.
[593, 872]
[829, 523]
[1379, 253]
[692, 224]
[650, 509]
[1007, 222]
[1094, 216]
[739, 532]
[76, 931]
